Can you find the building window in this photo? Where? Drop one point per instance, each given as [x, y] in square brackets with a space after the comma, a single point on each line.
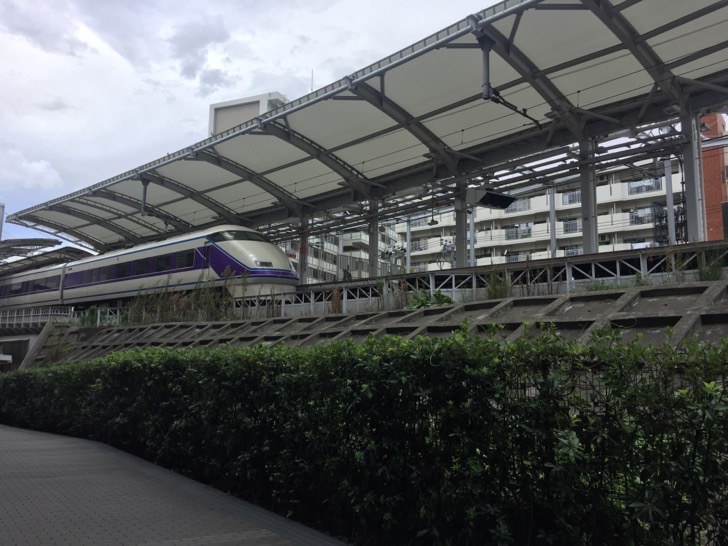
[572, 197]
[572, 225]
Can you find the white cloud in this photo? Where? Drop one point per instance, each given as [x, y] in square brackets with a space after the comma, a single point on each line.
[94, 88]
[18, 174]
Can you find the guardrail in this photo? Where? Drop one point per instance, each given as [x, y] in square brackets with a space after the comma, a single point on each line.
[35, 317]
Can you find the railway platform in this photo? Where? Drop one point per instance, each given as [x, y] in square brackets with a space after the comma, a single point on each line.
[60, 490]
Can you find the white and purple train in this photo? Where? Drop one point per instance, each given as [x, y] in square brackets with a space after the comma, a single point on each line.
[240, 259]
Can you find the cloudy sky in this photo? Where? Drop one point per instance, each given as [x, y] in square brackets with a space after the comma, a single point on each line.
[93, 88]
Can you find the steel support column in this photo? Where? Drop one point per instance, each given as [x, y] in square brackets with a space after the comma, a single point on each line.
[373, 239]
[471, 237]
[408, 261]
[694, 209]
[303, 251]
[670, 203]
[552, 219]
[461, 230]
[588, 198]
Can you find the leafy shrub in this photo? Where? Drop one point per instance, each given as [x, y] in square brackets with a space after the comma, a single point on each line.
[464, 440]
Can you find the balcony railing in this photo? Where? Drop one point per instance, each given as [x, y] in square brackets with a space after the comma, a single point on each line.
[644, 186]
[572, 226]
[513, 233]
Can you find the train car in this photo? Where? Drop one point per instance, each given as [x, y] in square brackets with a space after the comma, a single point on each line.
[239, 259]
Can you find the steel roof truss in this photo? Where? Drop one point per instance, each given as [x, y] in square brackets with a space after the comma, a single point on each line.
[697, 14]
[286, 198]
[697, 55]
[704, 85]
[119, 214]
[93, 219]
[223, 212]
[531, 74]
[360, 186]
[404, 119]
[61, 229]
[137, 205]
[615, 21]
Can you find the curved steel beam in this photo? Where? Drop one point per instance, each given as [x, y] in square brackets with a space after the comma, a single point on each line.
[222, 211]
[287, 199]
[405, 120]
[93, 219]
[645, 55]
[360, 185]
[533, 76]
[119, 214]
[136, 204]
[60, 228]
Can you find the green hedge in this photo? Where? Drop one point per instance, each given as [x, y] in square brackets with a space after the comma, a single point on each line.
[464, 440]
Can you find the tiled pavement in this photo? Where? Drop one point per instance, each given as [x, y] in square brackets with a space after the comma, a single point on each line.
[60, 490]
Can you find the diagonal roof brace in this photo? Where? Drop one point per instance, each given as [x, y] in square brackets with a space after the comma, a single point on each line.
[93, 219]
[616, 22]
[492, 40]
[60, 228]
[701, 84]
[288, 200]
[118, 214]
[222, 211]
[405, 120]
[361, 187]
[138, 205]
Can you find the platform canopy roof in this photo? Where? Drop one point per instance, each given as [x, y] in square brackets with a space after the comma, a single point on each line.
[11, 248]
[45, 259]
[490, 92]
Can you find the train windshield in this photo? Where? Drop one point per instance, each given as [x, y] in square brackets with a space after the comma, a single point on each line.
[238, 236]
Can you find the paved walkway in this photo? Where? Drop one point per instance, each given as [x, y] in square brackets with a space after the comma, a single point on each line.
[60, 490]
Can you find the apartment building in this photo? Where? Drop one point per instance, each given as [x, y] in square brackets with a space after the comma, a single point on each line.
[631, 205]
[631, 209]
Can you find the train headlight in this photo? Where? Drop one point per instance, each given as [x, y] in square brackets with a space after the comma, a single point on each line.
[263, 264]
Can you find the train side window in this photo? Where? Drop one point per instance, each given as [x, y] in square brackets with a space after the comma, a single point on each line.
[163, 262]
[123, 270]
[106, 273]
[184, 259]
[141, 267]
